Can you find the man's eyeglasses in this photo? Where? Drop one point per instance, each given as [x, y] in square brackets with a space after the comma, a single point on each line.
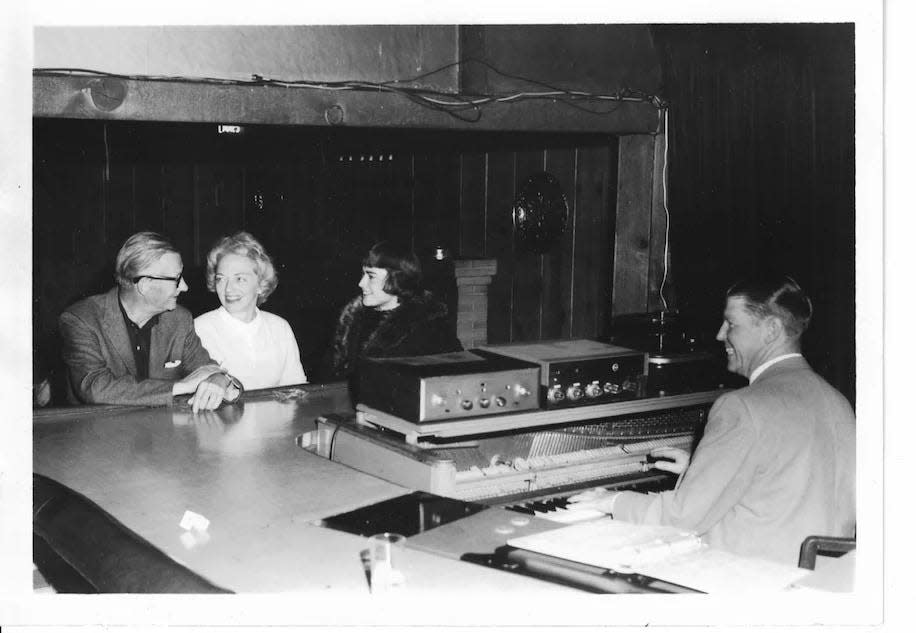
[176, 280]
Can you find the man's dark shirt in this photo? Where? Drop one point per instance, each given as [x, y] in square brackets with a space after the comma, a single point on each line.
[139, 341]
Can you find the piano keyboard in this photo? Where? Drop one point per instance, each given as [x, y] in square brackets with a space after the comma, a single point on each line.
[556, 508]
[567, 469]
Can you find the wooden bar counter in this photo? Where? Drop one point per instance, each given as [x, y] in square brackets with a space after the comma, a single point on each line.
[240, 468]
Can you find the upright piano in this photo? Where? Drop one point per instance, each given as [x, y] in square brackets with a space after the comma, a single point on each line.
[496, 474]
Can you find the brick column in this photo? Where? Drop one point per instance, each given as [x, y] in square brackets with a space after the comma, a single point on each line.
[473, 277]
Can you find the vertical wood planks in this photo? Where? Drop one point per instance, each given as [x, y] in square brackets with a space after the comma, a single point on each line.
[473, 206]
[449, 198]
[594, 241]
[499, 243]
[436, 195]
[219, 204]
[119, 192]
[633, 226]
[177, 181]
[528, 282]
[556, 297]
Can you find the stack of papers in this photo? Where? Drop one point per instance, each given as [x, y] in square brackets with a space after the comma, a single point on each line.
[662, 552]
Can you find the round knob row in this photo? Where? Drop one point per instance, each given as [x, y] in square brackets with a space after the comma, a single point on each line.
[557, 393]
[484, 403]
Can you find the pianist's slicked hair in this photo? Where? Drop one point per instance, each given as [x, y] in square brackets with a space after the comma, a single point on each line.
[244, 244]
[138, 252]
[403, 266]
[779, 296]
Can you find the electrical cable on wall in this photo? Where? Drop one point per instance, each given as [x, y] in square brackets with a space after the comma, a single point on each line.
[661, 288]
[106, 173]
[466, 108]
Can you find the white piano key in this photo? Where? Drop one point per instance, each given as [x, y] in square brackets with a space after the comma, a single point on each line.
[570, 515]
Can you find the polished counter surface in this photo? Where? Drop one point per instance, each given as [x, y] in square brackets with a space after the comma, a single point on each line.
[241, 469]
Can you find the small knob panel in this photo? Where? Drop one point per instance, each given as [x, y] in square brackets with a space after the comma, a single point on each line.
[574, 392]
[556, 394]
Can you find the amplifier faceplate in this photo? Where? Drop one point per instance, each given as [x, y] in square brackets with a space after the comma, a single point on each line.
[581, 372]
[448, 386]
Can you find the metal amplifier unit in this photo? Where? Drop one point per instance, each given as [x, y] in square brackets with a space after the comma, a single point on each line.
[687, 372]
[448, 386]
[579, 372]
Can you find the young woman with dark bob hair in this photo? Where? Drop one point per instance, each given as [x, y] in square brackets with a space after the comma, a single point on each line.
[392, 315]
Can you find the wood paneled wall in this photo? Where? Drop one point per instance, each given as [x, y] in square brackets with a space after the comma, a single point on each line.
[762, 170]
[318, 198]
[565, 292]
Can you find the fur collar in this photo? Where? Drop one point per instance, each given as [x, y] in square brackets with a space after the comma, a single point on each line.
[395, 326]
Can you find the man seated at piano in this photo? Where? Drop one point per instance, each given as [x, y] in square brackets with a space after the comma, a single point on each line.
[392, 316]
[134, 344]
[776, 462]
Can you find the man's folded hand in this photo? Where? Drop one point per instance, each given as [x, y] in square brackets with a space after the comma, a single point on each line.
[210, 392]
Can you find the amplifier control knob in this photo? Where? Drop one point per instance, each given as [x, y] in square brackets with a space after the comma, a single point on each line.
[555, 394]
[629, 385]
[593, 390]
[484, 403]
[521, 391]
[436, 400]
[467, 405]
[574, 392]
[500, 401]
[611, 387]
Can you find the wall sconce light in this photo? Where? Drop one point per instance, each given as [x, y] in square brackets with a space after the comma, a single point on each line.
[540, 213]
[334, 115]
[106, 93]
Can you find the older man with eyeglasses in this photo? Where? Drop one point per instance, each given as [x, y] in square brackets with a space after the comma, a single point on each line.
[134, 344]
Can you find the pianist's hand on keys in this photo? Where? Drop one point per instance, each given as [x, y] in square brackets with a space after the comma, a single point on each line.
[596, 499]
[674, 460]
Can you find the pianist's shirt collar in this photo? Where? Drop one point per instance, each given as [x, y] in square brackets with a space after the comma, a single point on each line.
[756, 373]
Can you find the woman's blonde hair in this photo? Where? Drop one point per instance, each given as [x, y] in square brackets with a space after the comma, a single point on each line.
[244, 244]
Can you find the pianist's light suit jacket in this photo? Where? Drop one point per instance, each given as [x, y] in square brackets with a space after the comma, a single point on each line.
[776, 463]
[100, 362]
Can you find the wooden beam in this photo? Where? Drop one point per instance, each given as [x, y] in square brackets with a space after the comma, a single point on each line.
[639, 248]
[145, 100]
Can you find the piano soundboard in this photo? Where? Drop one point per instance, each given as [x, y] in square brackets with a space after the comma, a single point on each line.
[532, 467]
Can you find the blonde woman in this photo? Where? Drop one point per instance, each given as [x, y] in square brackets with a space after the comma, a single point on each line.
[258, 346]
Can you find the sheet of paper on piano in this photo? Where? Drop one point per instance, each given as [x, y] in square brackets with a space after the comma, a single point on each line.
[661, 552]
